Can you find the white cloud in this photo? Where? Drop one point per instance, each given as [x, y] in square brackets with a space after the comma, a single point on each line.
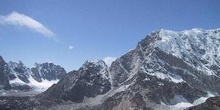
[70, 47]
[18, 19]
[109, 60]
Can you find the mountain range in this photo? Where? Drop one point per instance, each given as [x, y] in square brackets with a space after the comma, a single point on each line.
[167, 70]
[16, 76]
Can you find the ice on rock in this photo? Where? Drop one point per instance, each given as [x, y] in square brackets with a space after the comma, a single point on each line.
[196, 44]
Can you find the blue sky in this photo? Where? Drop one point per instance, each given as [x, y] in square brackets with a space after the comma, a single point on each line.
[68, 32]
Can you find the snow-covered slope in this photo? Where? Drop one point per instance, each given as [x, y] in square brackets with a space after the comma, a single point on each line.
[197, 47]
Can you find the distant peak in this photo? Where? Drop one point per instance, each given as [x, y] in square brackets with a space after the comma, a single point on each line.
[16, 63]
[95, 62]
[167, 31]
[198, 29]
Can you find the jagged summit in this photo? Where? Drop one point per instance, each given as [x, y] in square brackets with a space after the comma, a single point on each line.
[47, 71]
[97, 67]
[95, 62]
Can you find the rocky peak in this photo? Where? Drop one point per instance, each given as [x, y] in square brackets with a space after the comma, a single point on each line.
[89, 81]
[93, 63]
[96, 67]
[47, 71]
[19, 70]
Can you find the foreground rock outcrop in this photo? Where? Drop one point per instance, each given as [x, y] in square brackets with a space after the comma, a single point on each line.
[212, 103]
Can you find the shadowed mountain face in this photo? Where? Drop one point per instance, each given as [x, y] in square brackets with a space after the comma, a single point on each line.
[4, 81]
[166, 70]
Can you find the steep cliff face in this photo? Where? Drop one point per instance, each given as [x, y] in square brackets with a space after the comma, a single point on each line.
[4, 80]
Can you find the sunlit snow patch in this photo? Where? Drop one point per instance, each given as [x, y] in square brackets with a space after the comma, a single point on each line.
[181, 103]
[172, 77]
[202, 99]
[41, 86]
[17, 81]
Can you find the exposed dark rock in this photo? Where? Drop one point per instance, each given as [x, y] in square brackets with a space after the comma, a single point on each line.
[48, 71]
[20, 70]
[16, 103]
[4, 80]
[212, 103]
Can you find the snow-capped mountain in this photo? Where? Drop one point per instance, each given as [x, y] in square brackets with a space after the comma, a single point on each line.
[39, 77]
[167, 70]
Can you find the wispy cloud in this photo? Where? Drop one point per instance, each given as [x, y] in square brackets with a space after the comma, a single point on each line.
[19, 19]
[70, 47]
[109, 60]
